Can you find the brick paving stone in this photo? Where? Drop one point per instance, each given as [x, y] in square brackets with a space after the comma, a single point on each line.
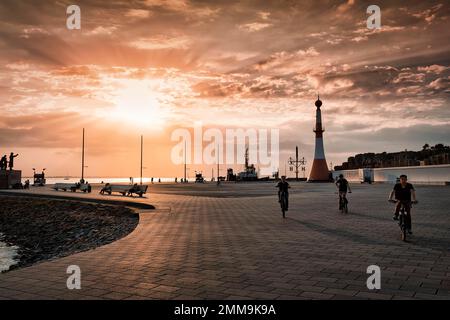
[240, 248]
[316, 295]
[341, 292]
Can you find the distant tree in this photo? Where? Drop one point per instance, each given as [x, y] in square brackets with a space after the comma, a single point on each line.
[426, 146]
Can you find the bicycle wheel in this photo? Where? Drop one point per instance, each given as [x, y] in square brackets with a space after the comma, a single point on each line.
[401, 223]
[283, 205]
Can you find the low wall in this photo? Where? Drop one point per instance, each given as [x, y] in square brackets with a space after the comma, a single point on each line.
[9, 178]
[350, 175]
[435, 175]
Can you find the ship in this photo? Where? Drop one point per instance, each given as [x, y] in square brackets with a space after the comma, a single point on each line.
[249, 173]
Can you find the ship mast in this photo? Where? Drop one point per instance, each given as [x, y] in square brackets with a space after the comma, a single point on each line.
[218, 165]
[246, 158]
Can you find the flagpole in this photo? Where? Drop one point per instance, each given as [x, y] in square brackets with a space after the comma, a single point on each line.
[82, 158]
[185, 161]
[142, 148]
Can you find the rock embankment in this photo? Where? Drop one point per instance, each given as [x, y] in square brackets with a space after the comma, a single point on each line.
[44, 229]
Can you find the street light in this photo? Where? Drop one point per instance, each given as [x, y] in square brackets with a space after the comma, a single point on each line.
[297, 163]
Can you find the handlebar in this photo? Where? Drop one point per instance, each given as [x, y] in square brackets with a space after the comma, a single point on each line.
[395, 201]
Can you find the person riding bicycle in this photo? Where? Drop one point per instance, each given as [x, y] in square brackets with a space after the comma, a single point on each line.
[283, 186]
[343, 186]
[404, 192]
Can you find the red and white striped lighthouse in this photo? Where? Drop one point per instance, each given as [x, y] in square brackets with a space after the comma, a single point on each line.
[319, 169]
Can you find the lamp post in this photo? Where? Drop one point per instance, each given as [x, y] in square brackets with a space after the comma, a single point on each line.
[142, 157]
[82, 159]
[297, 163]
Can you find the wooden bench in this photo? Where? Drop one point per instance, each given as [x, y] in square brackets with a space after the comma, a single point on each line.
[85, 187]
[124, 189]
[65, 186]
[110, 188]
[140, 190]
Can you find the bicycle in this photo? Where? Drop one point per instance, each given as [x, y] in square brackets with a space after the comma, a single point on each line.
[404, 220]
[343, 202]
[284, 202]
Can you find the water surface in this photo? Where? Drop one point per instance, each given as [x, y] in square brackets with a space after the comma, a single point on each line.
[8, 256]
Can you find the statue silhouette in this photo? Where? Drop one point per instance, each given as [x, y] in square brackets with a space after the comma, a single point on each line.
[3, 163]
[11, 160]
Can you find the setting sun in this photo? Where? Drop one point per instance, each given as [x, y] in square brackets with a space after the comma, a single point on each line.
[136, 104]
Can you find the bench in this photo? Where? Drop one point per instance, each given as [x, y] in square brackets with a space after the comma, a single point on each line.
[110, 188]
[124, 189]
[65, 186]
[140, 190]
[85, 187]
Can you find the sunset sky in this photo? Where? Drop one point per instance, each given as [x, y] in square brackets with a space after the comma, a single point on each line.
[149, 67]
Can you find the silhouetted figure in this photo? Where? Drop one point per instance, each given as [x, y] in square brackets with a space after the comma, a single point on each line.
[3, 163]
[11, 160]
[176, 179]
[135, 188]
[27, 184]
[152, 180]
[106, 188]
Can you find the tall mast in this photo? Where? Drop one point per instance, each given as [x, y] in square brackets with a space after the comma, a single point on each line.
[246, 158]
[142, 148]
[218, 164]
[185, 161]
[82, 158]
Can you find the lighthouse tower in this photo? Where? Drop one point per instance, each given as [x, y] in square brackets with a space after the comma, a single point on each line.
[319, 170]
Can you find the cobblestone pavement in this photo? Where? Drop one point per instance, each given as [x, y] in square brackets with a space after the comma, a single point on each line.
[194, 247]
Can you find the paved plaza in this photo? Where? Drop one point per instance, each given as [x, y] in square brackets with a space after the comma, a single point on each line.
[230, 242]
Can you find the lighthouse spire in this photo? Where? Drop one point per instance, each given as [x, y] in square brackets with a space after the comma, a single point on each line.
[319, 169]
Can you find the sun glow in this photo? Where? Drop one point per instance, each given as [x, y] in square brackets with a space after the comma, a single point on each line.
[137, 104]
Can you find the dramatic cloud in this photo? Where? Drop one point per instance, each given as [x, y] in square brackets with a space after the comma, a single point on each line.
[148, 66]
[255, 26]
